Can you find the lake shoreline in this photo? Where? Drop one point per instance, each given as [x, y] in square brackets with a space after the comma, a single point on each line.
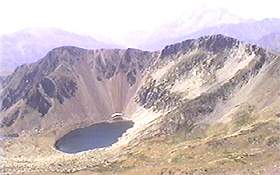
[95, 136]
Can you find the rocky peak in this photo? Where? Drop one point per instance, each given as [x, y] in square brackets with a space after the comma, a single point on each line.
[213, 43]
[110, 79]
[217, 43]
[64, 71]
[130, 62]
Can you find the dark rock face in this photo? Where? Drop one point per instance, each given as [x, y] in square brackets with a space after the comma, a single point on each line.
[66, 89]
[214, 44]
[31, 82]
[13, 95]
[9, 121]
[157, 95]
[131, 77]
[131, 62]
[48, 86]
[107, 68]
[57, 78]
[173, 49]
[217, 43]
[8, 100]
[38, 102]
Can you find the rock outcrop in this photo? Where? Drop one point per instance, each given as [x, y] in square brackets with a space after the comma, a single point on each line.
[186, 83]
[98, 82]
[200, 106]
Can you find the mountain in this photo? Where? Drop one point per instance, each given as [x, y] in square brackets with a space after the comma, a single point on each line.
[245, 30]
[250, 31]
[202, 106]
[105, 79]
[187, 23]
[27, 46]
[270, 41]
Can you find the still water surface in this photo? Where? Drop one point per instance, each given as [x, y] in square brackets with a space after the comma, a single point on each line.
[95, 136]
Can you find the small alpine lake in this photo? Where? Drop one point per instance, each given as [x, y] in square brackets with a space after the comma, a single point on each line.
[98, 135]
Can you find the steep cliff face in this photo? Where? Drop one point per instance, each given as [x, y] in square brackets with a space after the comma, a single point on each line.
[205, 106]
[195, 81]
[70, 85]
[202, 81]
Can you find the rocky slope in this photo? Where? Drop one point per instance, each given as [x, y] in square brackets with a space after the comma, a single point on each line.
[204, 106]
[205, 75]
[70, 85]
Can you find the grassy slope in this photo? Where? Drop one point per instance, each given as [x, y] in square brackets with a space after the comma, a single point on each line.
[253, 149]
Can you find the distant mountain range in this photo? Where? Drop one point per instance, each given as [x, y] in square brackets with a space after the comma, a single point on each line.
[29, 45]
[250, 31]
[270, 41]
[187, 23]
[213, 22]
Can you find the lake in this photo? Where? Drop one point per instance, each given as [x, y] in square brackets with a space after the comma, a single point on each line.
[95, 136]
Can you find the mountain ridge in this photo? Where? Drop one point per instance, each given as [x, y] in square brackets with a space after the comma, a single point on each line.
[28, 45]
[199, 106]
[249, 31]
[187, 23]
[106, 66]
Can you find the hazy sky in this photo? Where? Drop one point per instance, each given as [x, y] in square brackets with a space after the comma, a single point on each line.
[117, 18]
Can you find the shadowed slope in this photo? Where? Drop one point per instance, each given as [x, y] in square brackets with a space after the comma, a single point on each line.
[72, 85]
[204, 106]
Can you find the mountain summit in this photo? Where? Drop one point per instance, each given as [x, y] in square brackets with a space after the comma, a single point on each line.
[199, 106]
[188, 23]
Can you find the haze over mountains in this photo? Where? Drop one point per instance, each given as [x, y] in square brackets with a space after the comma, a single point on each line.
[251, 31]
[29, 45]
[270, 41]
[187, 23]
[191, 24]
